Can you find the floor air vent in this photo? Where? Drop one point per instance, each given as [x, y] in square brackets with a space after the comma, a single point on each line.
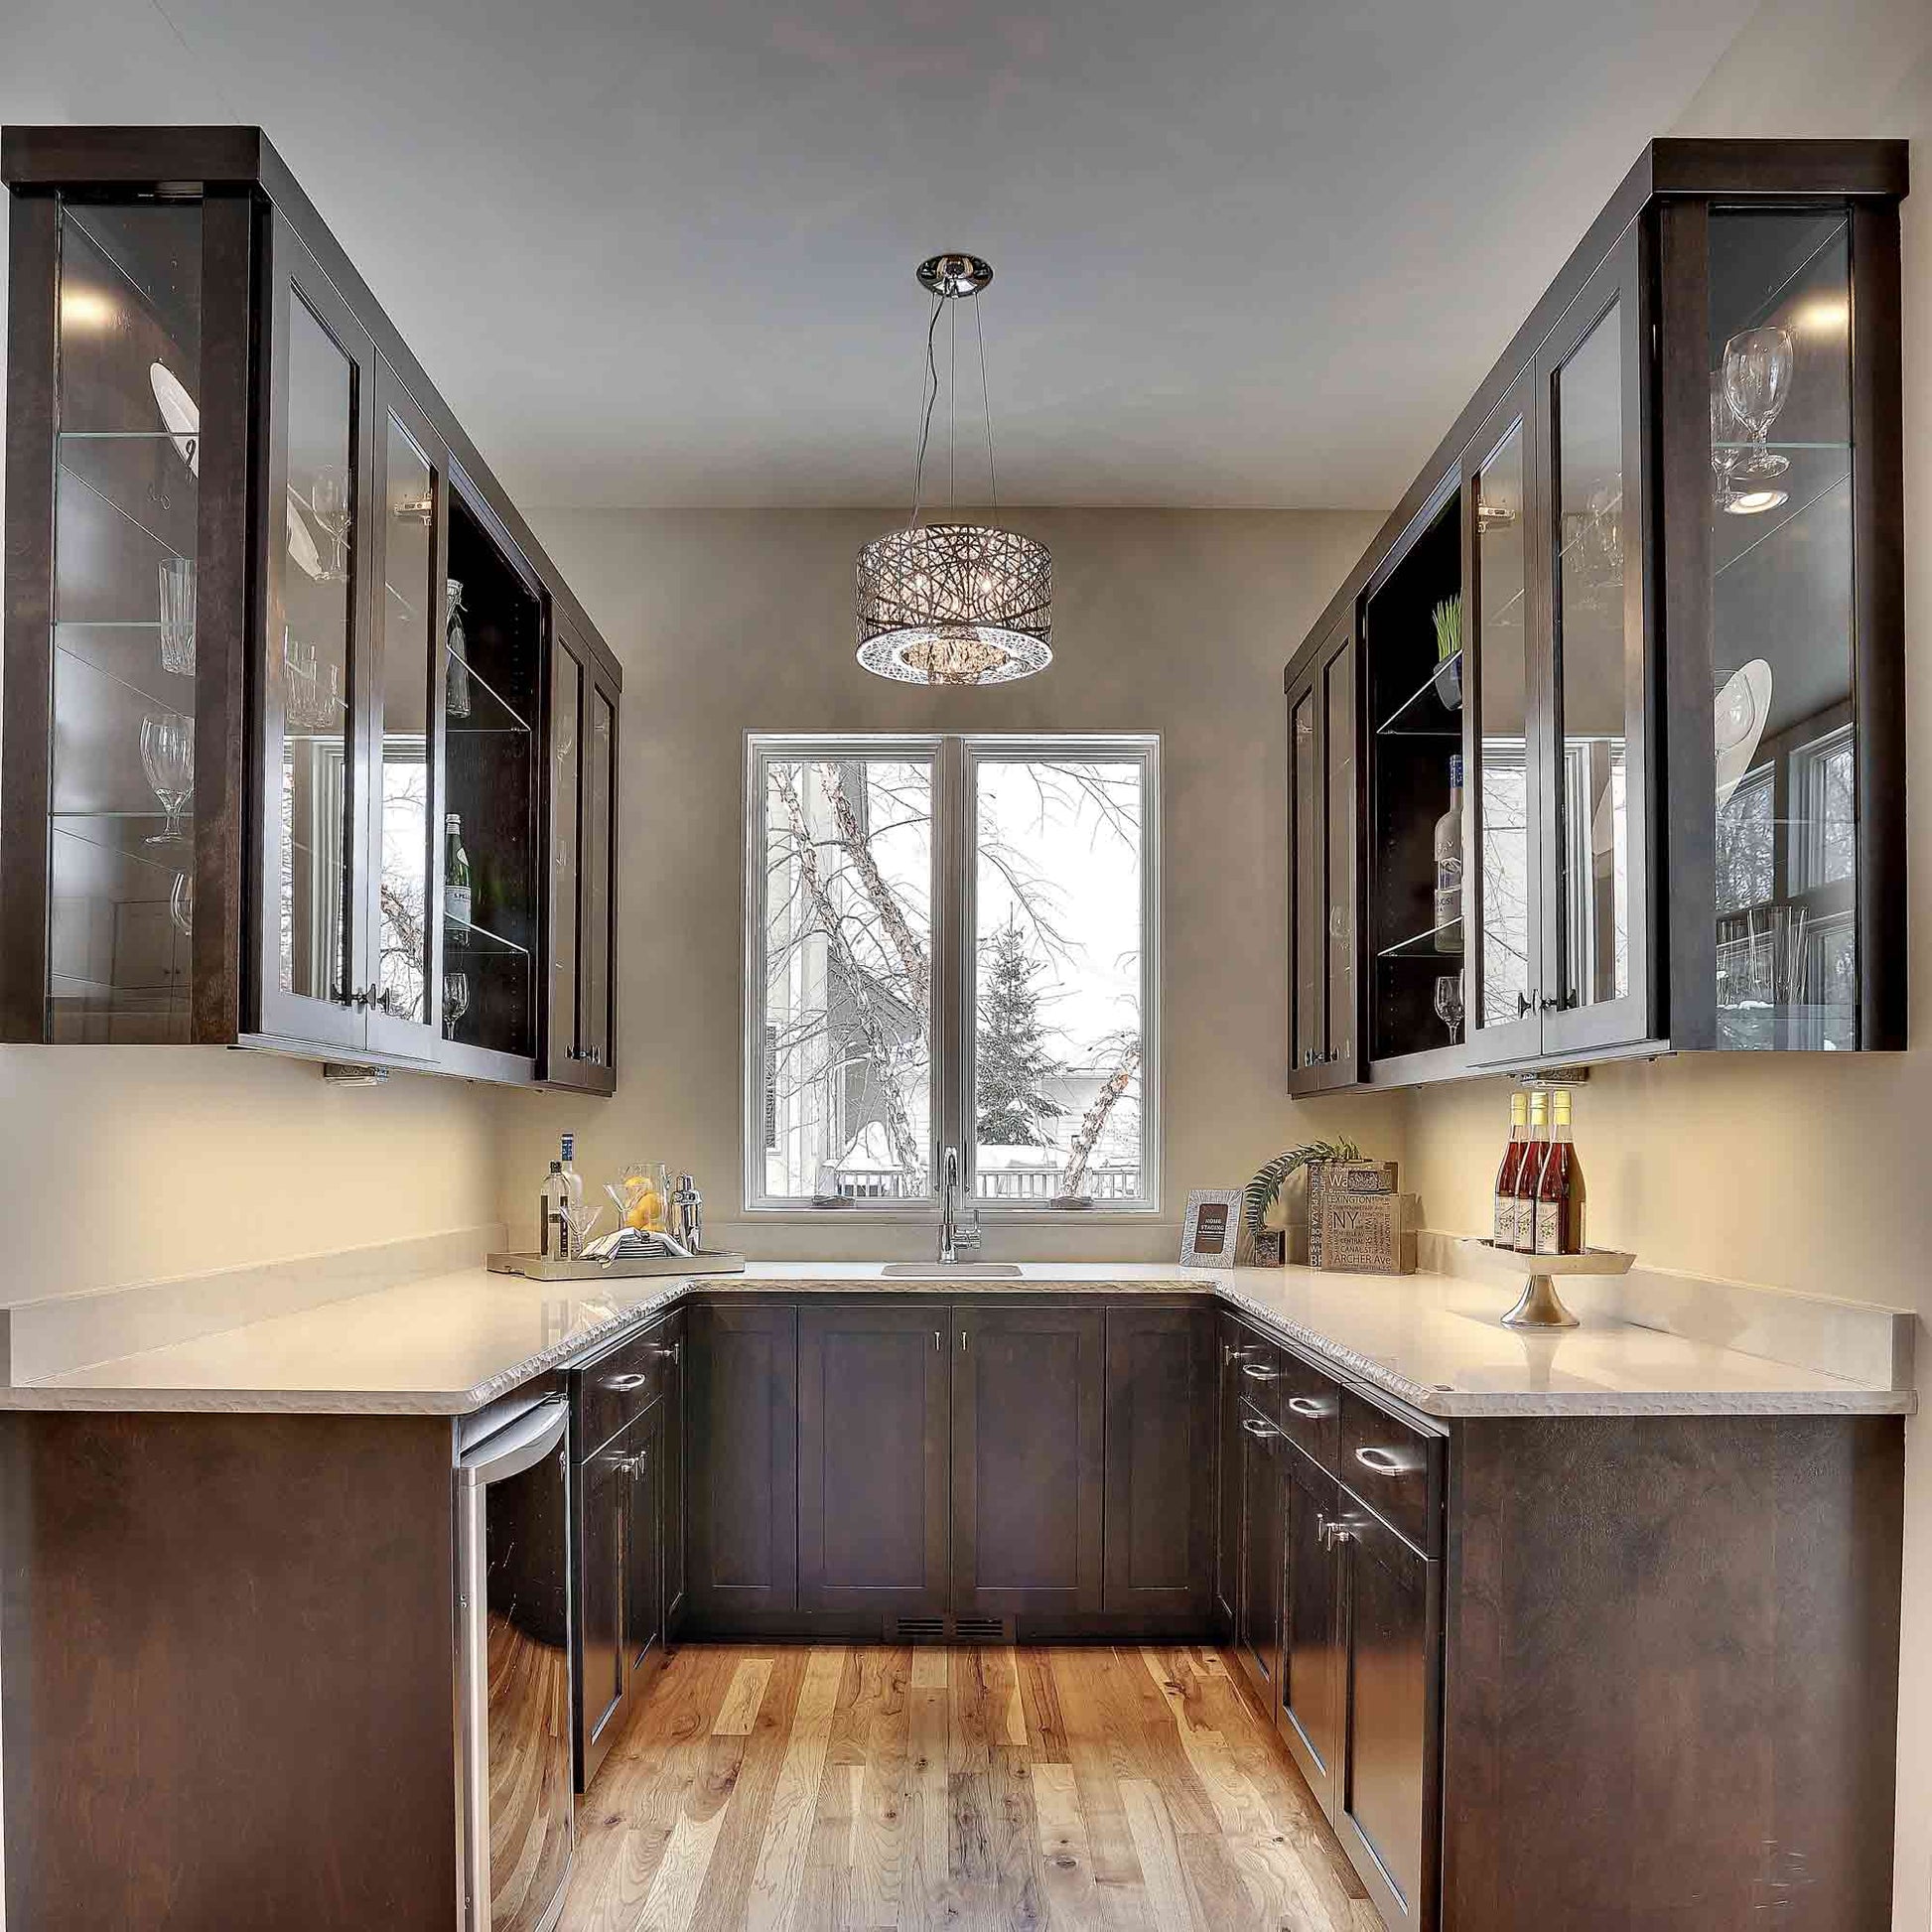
[915, 1630]
[982, 1629]
[949, 1629]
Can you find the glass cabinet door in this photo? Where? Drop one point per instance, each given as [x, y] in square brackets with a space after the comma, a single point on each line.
[1309, 1045]
[120, 707]
[567, 684]
[1786, 737]
[1594, 982]
[598, 937]
[1503, 665]
[317, 974]
[1338, 897]
[404, 787]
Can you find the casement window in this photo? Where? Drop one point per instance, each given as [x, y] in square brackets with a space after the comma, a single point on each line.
[951, 942]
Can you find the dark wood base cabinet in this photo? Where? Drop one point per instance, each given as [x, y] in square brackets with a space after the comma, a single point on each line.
[1591, 1672]
[627, 1528]
[866, 1467]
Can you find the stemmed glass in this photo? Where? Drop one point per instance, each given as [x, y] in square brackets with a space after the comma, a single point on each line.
[168, 760]
[1757, 383]
[178, 615]
[1726, 436]
[456, 998]
[1448, 1004]
[329, 498]
[181, 904]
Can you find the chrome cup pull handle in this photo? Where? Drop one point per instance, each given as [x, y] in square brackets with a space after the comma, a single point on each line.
[1385, 1462]
[1307, 1405]
[1256, 1373]
[1261, 1430]
[624, 1384]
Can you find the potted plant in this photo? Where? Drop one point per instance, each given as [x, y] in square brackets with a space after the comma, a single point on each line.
[1262, 1192]
[1448, 619]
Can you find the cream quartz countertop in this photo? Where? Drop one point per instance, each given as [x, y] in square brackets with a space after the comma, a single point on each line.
[450, 1342]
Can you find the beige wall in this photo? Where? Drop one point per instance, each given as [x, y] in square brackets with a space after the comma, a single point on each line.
[729, 622]
[130, 1164]
[1807, 1174]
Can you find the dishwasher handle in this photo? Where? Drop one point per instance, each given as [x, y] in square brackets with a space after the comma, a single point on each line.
[521, 1446]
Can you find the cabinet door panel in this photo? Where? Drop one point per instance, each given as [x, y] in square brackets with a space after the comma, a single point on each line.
[596, 1005]
[1227, 1476]
[604, 1486]
[409, 549]
[743, 1479]
[1597, 974]
[314, 959]
[873, 1435]
[1505, 699]
[1258, 1614]
[1027, 1461]
[1310, 1707]
[1389, 1799]
[644, 1550]
[1310, 1034]
[1338, 922]
[672, 1336]
[1159, 1431]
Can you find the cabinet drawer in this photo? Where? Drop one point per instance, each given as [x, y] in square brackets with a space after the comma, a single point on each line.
[1395, 1469]
[1310, 1410]
[1259, 1374]
[620, 1386]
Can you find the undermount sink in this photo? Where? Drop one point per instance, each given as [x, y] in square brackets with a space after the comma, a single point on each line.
[946, 1271]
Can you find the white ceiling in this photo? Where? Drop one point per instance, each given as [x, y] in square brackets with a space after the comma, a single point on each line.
[1249, 251]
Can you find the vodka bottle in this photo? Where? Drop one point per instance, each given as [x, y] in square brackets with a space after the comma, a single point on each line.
[1448, 866]
[456, 871]
[553, 1224]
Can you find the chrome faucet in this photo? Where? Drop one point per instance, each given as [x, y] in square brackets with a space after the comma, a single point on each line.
[953, 1237]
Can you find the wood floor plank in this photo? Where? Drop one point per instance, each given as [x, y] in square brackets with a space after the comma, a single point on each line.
[880, 1852]
[780, 1872]
[1040, 1702]
[1066, 1862]
[1120, 1888]
[1151, 1829]
[761, 1755]
[741, 1706]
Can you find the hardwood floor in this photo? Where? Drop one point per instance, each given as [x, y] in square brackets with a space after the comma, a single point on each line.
[813, 1789]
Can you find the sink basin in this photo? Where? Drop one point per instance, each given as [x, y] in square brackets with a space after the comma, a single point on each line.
[946, 1271]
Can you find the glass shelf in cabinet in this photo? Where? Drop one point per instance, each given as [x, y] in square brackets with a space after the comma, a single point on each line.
[462, 936]
[1425, 713]
[488, 711]
[1427, 947]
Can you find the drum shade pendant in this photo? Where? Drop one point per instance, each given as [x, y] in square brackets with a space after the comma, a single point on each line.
[955, 602]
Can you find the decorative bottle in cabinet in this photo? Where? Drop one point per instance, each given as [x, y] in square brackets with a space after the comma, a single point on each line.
[1448, 866]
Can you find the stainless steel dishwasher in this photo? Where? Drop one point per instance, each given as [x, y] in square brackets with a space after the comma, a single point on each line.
[513, 1609]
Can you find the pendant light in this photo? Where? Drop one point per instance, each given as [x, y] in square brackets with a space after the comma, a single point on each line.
[955, 602]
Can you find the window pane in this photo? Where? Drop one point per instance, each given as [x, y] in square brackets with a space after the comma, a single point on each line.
[1057, 968]
[847, 978]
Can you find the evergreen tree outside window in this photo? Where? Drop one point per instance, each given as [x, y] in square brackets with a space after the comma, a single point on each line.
[1014, 1064]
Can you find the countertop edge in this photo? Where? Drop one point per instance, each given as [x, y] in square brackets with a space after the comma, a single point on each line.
[1371, 1376]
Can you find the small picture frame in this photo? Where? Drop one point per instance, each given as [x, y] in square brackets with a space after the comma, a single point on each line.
[1212, 1229]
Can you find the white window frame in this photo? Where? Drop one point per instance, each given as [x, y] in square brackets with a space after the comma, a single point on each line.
[955, 759]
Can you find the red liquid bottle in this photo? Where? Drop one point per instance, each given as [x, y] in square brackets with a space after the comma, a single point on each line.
[1559, 1187]
[1530, 1170]
[1503, 1232]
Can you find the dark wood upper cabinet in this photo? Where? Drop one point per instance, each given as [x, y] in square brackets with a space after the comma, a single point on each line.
[580, 993]
[1661, 642]
[278, 649]
[1160, 1442]
[1323, 815]
[873, 1434]
[1028, 1459]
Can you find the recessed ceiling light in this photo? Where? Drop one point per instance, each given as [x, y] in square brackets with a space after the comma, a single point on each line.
[1754, 503]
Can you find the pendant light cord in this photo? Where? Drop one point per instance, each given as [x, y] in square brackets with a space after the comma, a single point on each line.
[929, 396]
[986, 403]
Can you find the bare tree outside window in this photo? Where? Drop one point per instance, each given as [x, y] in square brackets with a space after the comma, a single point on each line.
[845, 1099]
